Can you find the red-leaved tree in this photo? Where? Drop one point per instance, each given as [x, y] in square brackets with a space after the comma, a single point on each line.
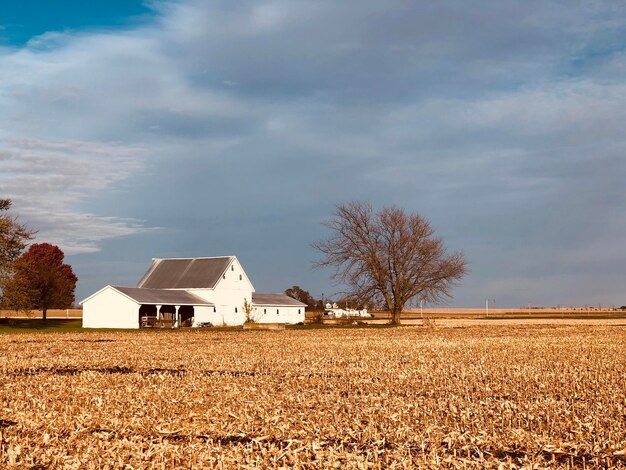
[40, 280]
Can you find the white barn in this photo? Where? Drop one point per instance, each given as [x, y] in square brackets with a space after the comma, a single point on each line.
[189, 292]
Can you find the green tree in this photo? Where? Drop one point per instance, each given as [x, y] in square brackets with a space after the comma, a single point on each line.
[301, 295]
[40, 280]
[389, 257]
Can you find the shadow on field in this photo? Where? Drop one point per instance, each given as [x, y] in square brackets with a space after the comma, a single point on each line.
[71, 370]
[37, 324]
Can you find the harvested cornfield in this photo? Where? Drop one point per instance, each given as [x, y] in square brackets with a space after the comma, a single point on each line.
[480, 397]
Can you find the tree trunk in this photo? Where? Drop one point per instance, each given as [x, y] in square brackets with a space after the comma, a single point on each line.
[44, 313]
[395, 317]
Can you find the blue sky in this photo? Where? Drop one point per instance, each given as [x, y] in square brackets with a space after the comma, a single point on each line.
[133, 130]
[25, 19]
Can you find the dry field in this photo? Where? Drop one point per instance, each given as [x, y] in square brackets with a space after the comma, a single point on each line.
[479, 397]
[534, 311]
[508, 313]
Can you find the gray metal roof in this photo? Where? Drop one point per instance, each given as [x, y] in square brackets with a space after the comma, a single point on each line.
[184, 273]
[275, 299]
[144, 295]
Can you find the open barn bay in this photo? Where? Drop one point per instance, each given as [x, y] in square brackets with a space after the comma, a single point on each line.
[524, 396]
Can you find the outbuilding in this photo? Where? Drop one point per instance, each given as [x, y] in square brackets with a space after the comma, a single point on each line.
[277, 308]
[132, 307]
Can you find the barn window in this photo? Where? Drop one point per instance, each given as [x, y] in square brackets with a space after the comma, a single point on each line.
[240, 277]
[235, 309]
[264, 311]
[232, 268]
[276, 311]
[298, 310]
[224, 276]
[214, 310]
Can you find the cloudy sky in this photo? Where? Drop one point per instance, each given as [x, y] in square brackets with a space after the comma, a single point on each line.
[131, 130]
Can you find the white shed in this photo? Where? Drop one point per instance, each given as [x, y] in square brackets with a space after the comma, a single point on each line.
[131, 307]
[277, 308]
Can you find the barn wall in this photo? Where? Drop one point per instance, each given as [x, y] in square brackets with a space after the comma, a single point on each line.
[278, 314]
[110, 309]
[206, 314]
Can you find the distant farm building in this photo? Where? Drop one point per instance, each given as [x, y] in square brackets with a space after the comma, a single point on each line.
[179, 292]
[334, 311]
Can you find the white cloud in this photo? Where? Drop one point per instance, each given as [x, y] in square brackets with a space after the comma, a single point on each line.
[49, 180]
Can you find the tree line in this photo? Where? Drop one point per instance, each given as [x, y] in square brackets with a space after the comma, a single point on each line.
[304, 296]
[32, 276]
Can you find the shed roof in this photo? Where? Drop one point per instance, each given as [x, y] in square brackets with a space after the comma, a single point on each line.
[185, 273]
[144, 295]
[275, 299]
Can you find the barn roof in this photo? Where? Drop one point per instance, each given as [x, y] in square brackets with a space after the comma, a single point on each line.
[161, 296]
[185, 273]
[275, 299]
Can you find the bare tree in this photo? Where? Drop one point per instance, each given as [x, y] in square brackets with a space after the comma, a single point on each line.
[13, 237]
[388, 257]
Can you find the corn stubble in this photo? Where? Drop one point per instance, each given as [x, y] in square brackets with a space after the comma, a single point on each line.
[498, 397]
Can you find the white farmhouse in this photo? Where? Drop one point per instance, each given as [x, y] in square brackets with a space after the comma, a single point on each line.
[189, 292]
